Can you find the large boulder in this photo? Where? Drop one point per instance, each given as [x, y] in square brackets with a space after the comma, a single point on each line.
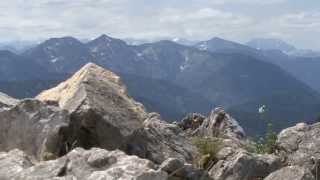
[7, 101]
[235, 164]
[34, 127]
[102, 113]
[299, 145]
[291, 173]
[159, 140]
[91, 164]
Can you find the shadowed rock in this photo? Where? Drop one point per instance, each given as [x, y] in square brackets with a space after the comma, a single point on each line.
[34, 127]
[159, 140]
[102, 114]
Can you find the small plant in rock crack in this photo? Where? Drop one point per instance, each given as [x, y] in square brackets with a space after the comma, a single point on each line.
[208, 149]
[266, 144]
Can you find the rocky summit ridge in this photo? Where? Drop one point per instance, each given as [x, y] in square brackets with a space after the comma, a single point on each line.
[89, 128]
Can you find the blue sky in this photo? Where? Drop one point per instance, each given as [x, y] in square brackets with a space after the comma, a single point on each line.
[295, 21]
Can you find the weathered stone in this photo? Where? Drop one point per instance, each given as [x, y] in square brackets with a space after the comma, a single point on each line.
[299, 145]
[240, 164]
[291, 173]
[220, 124]
[94, 164]
[34, 127]
[179, 170]
[12, 163]
[159, 140]
[7, 101]
[191, 121]
[171, 165]
[102, 114]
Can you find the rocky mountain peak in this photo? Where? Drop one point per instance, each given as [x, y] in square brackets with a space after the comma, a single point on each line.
[90, 74]
[105, 43]
[99, 105]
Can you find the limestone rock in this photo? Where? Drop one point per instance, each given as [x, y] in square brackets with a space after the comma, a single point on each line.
[93, 164]
[102, 114]
[235, 164]
[7, 101]
[299, 145]
[34, 127]
[159, 140]
[12, 163]
[291, 173]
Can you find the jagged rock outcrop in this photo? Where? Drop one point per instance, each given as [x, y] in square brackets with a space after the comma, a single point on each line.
[80, 164]
[191, 121]
[159, 140]
[236, 164]
[217, 124]
[7, 101]
[291, 173]
[102, 114]
[299, 145]
[36, 128]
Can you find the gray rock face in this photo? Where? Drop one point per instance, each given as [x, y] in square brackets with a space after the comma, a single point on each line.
[12, 163]
[299, 145]
[34, 127]
[235, 164]
[291, 173]
[7, 101]
[102, 114]
[159, 140]
[80, 164]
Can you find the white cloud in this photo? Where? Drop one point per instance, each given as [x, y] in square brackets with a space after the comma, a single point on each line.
[194, 19]
[259, 2]
[302, 20]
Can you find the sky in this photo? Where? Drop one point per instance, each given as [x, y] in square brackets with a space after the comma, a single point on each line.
[295, 21]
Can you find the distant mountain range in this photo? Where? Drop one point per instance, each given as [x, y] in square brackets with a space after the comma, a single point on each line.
[277, 44]
[175, 79]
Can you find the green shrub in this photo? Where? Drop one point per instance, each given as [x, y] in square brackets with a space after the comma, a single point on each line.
[208, 149]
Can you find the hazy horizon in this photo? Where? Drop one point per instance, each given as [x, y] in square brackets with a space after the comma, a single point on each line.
[294, 21]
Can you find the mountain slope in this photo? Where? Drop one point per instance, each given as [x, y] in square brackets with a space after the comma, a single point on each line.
[270, 44]
[278, 44]
[304, 69]
[60, 55]
[14, 67]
